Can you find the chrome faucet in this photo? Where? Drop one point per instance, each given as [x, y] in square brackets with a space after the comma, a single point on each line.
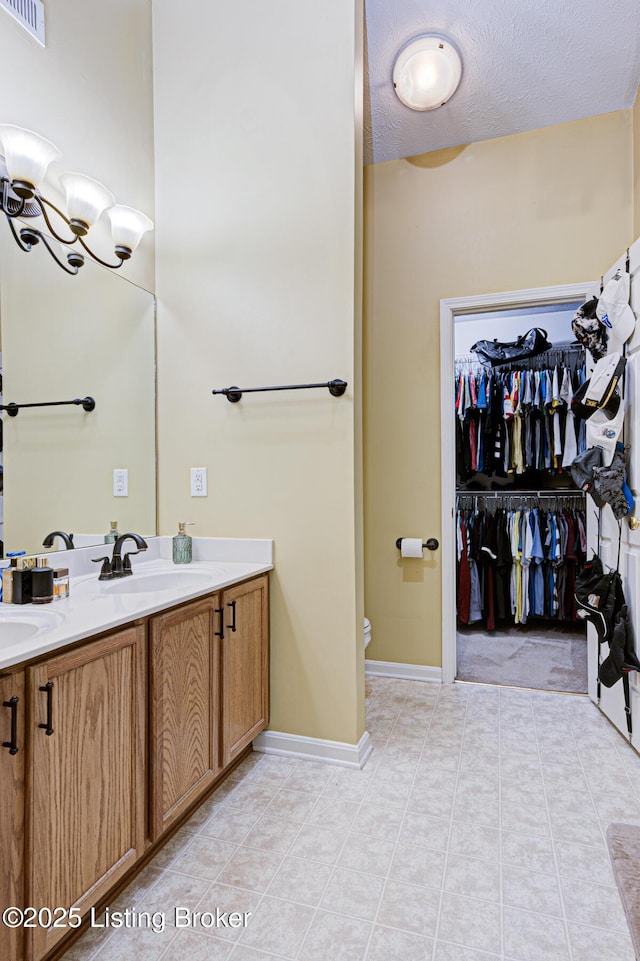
[67, 538]
[116, 566]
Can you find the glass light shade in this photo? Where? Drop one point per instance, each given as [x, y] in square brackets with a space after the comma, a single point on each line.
[26, 153]
[86, 198]
[427, 73]
[127, 226]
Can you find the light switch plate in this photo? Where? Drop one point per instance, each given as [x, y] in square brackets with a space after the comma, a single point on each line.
[198, 481]
[120, 482]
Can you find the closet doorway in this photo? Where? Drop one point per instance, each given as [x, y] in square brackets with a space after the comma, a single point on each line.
[506, 495]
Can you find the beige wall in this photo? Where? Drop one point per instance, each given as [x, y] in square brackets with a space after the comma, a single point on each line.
[553, 206]
[257, 193]
[636, 165]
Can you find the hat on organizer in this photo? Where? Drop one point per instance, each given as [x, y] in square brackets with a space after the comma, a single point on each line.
[600, 391]
[614, 312]
[588, 330]
[604, 431]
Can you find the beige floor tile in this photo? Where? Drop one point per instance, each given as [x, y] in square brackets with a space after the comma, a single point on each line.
[191, 946]
[475, 841]
[532, 937]
[529, 852]
[388, 944]
[377, 821]
[250, 868]
[366, 854]
[594, 944]
[332, 937]
[292, 805]
[143, 945]
[475, 924]
[318, 843]
[300, 880]
[229, 824]
[416, 864]
[353, 893]
[272, 834]
[532, 892]
[204, 857]
[472, 878]
[278, 927]
[410, 908]
[333, 812]
[432, 832]
[522, 819]
[598, 904]
[584, 862]
[457, 952]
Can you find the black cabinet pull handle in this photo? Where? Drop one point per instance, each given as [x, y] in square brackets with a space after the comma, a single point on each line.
[12, 704]
[48, 690]
[220, 633]
[232, 626]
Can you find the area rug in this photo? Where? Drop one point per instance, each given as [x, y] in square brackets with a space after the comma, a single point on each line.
[624, 847]
[553, 659]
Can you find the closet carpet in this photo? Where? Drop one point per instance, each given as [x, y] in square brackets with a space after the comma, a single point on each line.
[551, 660]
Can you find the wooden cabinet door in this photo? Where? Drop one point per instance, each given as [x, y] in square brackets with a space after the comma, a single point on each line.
[12, 769]
[85, 777]
[245, 665]
[184, 703]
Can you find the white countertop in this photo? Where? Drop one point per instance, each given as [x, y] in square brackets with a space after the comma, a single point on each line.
[28, 631]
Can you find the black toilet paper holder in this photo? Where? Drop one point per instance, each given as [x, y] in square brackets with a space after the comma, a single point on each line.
[431, 545]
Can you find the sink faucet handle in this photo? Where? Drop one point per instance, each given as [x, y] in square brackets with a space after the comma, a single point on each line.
[126, 561]
[106, 572]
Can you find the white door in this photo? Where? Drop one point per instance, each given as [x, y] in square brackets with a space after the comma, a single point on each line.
[612, 699]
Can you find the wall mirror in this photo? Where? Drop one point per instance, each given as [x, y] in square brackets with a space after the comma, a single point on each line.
[65, 337]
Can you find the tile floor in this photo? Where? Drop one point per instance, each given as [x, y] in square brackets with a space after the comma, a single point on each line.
[474, 833]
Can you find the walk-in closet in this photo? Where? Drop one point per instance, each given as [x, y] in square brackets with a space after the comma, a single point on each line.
[520, 521]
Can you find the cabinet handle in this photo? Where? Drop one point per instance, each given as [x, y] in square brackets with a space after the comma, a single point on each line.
[220, 633]
[48, 690]
[232, 626]
[12, 704]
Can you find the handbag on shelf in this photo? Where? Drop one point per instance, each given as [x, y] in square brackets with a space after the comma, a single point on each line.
[531, 344]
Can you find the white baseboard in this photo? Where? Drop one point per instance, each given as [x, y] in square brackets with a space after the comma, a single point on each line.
[408, 672]
[315, 748]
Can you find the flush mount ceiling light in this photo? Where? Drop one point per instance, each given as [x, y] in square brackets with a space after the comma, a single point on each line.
[427, 72]
[27, 156]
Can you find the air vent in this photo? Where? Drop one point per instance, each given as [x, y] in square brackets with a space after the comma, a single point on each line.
[28, 13]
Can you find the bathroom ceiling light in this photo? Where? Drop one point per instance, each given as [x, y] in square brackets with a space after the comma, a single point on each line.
[26, 159]
[427, 72]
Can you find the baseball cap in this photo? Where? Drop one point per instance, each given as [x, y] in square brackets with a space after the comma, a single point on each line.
[599, 391]
[588, 330]
[603, 431]
[614, 312]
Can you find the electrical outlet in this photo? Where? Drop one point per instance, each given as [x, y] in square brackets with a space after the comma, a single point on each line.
[198, 481]
[120, 482]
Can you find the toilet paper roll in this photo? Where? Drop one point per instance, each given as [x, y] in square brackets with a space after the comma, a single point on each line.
[411, 547]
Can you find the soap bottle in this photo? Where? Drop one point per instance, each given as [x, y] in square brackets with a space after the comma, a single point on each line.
[113, 534]
[182, 545]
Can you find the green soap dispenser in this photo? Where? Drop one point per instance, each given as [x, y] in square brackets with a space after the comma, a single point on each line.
[182, 545]
[113, 534]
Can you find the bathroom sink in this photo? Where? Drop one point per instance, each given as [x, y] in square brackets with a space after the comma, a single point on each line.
[163, 581]
[18, 625]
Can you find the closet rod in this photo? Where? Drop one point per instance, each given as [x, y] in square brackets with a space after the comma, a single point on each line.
[558, 493]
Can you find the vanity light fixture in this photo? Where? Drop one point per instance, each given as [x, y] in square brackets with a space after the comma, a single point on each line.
[427, 72]
[27, 156]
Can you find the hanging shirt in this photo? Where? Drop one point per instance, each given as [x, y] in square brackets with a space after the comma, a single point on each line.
[570, 440]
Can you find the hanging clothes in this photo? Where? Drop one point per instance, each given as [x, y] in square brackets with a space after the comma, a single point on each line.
[518, 563]
[512, 421]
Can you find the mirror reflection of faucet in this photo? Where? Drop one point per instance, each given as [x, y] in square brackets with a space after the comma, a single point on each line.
[116, 566]
[67, 538]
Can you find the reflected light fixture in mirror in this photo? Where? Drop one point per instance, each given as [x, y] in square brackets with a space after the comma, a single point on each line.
[427, 72]
[27, 156]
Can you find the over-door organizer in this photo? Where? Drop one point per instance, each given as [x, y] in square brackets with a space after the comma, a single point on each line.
[122, 734]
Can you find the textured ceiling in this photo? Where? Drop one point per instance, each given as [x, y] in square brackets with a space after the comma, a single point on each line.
[526, 64]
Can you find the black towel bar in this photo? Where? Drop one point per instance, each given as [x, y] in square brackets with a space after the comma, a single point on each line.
[87, 402]
[233, 394]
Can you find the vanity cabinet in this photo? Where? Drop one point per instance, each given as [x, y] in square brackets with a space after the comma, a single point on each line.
[85, 777]
[184, 705]
[245, 665]
[12, 774]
